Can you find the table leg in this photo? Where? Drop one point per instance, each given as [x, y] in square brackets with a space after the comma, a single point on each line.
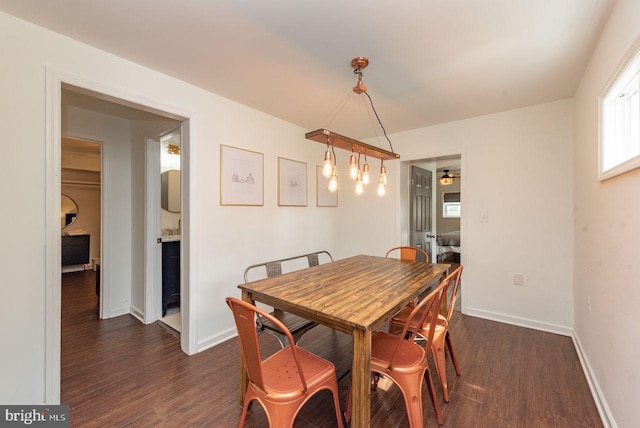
[244, 380]
[361, 379]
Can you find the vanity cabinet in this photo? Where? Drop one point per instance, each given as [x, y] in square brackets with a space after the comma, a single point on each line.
[170, 274]
[75, 249]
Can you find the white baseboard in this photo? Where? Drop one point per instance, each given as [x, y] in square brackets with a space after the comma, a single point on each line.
[118, 311]
[137, 313]
[521, 322]
[601, 403]
[216, 339]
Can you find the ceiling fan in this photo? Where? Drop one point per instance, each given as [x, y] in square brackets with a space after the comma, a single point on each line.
[447, 178]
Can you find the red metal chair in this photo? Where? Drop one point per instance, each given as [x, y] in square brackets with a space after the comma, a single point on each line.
[283, 382]
[405, 362]
[441, 334]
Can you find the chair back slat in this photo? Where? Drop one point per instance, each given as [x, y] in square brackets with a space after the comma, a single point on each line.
[273, 269]
[313, 259]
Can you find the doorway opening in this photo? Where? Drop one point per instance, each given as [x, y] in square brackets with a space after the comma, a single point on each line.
[89, 111]
[432, 207]
[170, 230]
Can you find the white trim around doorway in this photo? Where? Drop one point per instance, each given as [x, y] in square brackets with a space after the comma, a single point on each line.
[53, 97]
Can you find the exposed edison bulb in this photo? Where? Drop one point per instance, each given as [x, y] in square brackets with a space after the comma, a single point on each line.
[353, 166]
[359, 185]
[365, 173]
[380, 187]
[328, 164]
[333, 180]
[383, 173]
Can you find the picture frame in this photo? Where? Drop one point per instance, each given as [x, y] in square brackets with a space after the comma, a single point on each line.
[241, 177]
[292, 183]
[324, 198]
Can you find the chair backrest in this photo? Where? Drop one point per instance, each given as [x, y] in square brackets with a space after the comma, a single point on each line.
[274, 268]
[410, 253]
[425, 312]
[454, 284]
[244, 315]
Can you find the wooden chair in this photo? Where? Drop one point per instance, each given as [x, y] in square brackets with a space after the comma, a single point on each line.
[285, 381]
[441, 331]
[295, 324]
[404, 361]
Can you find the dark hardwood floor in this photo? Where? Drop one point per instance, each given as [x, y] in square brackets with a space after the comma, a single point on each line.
[119, 372]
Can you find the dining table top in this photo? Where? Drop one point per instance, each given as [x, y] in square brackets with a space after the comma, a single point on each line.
[360, 292]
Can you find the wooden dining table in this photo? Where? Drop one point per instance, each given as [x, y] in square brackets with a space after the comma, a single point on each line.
[356, 295]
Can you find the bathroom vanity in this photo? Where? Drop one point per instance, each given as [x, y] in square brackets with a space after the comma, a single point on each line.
[75, 249]
[170, 272]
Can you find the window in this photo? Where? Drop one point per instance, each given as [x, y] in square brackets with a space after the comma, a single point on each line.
[620, 122]
[451, 205]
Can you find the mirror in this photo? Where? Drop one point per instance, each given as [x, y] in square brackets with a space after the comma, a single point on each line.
[170, 190]
[68, 211]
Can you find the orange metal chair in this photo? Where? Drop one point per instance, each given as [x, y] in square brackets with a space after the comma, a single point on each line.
[441, 334]
[405, 362]
[283, 382]
[409, 253]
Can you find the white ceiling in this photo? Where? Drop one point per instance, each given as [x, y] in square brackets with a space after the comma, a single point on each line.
[431, 61]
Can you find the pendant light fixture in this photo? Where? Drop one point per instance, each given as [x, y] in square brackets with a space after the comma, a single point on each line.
[357, 148]
[446, 179]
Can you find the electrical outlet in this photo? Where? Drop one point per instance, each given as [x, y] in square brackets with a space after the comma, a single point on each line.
[518, 279]
[589, 304]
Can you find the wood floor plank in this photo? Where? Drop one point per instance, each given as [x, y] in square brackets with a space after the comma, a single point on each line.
[119, 372]
[500, 405]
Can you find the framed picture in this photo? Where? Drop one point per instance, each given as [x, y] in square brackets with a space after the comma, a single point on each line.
[241, 176]
[324, 198]
[292, 183]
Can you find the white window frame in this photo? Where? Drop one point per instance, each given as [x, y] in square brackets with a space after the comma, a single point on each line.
[447, 204]
[609, 145]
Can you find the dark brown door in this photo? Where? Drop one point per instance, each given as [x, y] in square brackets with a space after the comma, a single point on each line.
[420, 209]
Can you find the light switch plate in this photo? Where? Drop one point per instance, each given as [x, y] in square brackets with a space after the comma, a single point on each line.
[518, 279]
[484, 215]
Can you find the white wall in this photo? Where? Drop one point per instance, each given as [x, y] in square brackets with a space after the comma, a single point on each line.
[529, 153]
[223, 240]
[607, 237]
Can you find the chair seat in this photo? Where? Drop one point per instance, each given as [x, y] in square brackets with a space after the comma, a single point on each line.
[407, 356]
[281, 374]
[398, 321]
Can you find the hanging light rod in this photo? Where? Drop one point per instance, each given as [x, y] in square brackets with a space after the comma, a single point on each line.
[333, 140]
[346, 143]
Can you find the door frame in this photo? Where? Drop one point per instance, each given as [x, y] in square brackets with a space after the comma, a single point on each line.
[153, 225]
[53, 270]
[402, 222]
[153, 250]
